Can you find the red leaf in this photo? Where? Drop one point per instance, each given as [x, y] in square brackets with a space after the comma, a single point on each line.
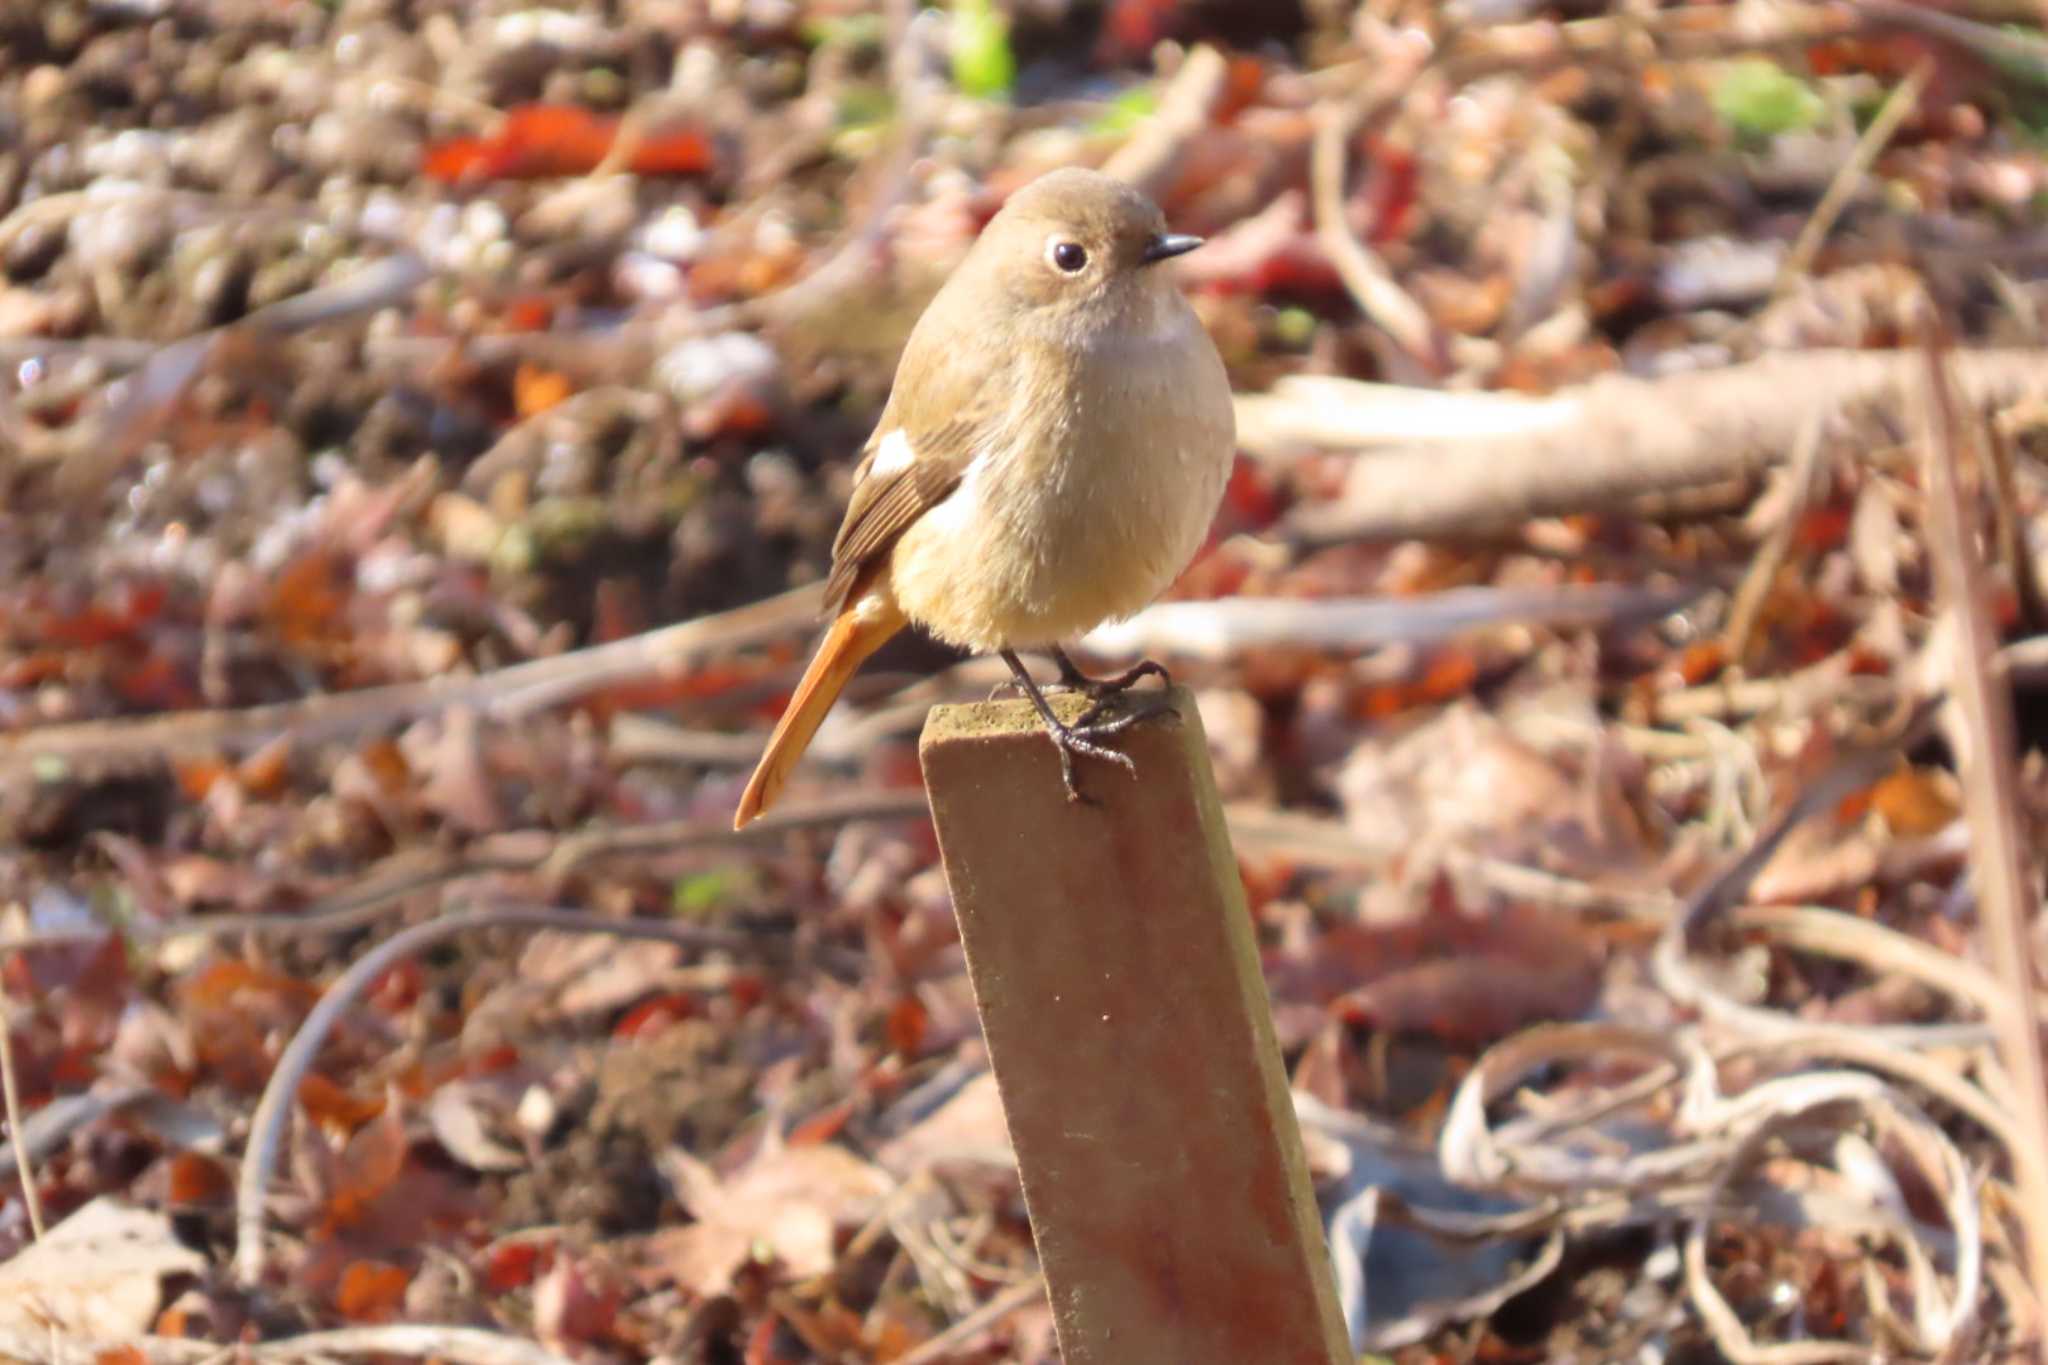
[513, 1264]
[198, 1181]
[652, 1016]
[908, 1021]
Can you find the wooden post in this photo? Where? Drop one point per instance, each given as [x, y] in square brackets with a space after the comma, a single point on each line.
[1118, 981]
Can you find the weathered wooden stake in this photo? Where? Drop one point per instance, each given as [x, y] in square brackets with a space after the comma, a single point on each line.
[1118, 980]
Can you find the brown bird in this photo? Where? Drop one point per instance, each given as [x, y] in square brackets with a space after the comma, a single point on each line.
[1049, 459]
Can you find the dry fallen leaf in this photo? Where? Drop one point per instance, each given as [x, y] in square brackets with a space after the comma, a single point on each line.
[787, 1202]
[456, 1115]
[98, 1275]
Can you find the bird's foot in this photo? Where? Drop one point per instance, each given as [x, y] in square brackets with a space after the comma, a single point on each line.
[1085, 733]
[1072, 679]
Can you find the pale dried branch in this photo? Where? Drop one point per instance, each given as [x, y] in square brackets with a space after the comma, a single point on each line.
[503, 694]
[1222, 629]
[1372, 287]
[1991, 799]
[1618, 439]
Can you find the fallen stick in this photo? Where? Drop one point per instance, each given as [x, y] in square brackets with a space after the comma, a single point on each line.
[1602, 445]
[502, 694]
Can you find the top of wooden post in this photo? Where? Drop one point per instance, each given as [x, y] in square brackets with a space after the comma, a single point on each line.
[1118, 979]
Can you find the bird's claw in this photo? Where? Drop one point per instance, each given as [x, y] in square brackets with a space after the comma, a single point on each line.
[1080, 736]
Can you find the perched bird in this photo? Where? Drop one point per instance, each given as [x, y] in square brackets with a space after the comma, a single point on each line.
[1050, 458]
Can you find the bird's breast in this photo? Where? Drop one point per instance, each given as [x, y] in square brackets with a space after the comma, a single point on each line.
[1083, 504]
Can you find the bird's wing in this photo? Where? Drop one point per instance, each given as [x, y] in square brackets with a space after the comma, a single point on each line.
[930, 431]
[892, 490]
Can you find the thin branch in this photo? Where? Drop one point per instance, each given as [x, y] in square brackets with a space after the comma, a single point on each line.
[1849, 178]
[1019, 1295]
[1746, 610]
[1991, 799]
[11, 1089]
[505, 693]
[1375, 291]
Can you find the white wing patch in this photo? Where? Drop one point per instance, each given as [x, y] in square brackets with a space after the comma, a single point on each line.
[892, 456]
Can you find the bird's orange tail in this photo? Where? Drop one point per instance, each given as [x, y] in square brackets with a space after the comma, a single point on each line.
[862, 626]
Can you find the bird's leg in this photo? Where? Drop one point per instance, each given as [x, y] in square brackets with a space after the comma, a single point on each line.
[1100, 689]
[1079, 737]
[1106, 693]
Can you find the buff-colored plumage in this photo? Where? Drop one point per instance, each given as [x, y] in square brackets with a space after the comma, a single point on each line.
[1050, 456]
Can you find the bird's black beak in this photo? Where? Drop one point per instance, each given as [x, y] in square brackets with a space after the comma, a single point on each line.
[1168, 244]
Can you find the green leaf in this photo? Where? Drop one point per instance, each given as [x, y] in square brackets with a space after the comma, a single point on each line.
[983, 65]
[1126, 112]
[699, 895]
[1759, 100]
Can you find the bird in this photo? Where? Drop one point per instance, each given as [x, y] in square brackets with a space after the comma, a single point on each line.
[1055, 443]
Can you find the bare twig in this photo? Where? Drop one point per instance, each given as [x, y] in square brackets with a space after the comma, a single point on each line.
[1991, 798]
[1372, 288]
[1019, 1295]
[267, 1125]
[2011, 529]
[1849, 178]
[1222, 629]
[513, 852]
[505, 693]
[1856, 767]
[1746, 609]
[16, 1135]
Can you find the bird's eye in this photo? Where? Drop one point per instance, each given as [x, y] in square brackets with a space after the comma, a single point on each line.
[1069, 257]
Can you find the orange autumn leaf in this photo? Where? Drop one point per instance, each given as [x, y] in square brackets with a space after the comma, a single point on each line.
[1914, 801]
[366, 1167]
[822, 1126]
[263, 772]
[532, 313]
[370, 1291]
[307, 598]
[535, 389]
[1701, 661]
[331, 1106]
[196, 776]
[386, 762]
[538, 140]
[224, 983]
[1244, 80]
[1449, 675]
